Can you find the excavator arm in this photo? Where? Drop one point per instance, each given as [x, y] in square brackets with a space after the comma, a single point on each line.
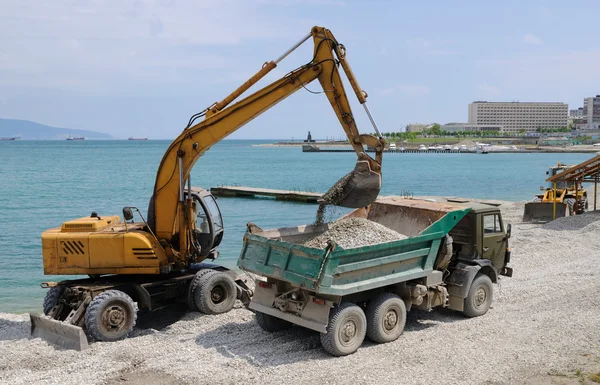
[169, 212]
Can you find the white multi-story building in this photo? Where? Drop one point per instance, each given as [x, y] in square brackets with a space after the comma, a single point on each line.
[459, 127]
[517, 116]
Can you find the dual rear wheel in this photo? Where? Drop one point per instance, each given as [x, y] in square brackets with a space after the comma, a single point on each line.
[383, 321]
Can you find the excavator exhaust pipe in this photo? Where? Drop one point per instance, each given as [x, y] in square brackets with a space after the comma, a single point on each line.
[356, 189]
[544, 211]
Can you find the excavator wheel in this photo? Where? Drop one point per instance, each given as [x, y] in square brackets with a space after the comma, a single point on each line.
[194, 285]
[110, 316]
[216, 293]
[51, 299]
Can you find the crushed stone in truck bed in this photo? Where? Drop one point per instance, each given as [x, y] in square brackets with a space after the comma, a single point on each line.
[355, 232]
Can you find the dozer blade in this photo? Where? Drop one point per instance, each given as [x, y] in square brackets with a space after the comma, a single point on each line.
[64, 335]
[358, 188]
[543, 211]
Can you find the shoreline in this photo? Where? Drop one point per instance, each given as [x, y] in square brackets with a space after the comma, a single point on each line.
[576, 149]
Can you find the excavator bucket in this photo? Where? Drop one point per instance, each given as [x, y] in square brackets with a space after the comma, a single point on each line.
[356, 189]
[543, 211]
[60, 333]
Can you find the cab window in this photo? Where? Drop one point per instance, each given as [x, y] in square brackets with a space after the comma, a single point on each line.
[214, 212]
[492, 224]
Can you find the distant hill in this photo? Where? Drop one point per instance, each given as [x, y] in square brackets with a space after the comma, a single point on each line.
[32, 130]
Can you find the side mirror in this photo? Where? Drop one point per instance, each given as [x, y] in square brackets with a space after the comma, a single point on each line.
[508, 230]
[127, 213]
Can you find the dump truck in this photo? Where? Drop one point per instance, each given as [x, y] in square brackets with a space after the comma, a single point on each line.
[144, 264]
[452, 256]
[566, 198]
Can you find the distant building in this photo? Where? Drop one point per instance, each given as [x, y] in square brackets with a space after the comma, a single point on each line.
[576, 113]
[591, 109]
[309, 138]
[517, 116]
[460, 127]
[416, 127]
[588, 117]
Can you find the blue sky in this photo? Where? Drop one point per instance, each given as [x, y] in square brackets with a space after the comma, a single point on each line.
[141, 68]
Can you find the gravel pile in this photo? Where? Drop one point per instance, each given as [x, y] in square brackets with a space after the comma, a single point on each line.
[544, 320]
[354, 232]
[574, 222]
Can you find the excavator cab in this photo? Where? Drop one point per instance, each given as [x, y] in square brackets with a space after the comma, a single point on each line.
[208, 233]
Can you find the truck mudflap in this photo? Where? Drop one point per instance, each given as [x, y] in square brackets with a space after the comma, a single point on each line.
[310, 312]
[60, 333]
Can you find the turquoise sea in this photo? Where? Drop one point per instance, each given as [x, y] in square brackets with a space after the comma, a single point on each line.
[43, 183]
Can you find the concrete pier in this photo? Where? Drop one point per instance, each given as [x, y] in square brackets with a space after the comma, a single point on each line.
[253, 192]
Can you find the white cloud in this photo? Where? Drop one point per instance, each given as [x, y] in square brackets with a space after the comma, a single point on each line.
[530, 38]
[431, 47]
[414, 90]
[407, 90]
[546, 77]
[485, 90]
[386, 91]
[97, 45]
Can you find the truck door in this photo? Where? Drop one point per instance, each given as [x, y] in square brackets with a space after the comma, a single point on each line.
[494, 239]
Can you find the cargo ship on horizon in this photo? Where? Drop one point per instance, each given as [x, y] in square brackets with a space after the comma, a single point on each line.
[75, 137]
[134, 138]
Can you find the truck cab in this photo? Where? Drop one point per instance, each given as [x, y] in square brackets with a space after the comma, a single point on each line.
[481, 238]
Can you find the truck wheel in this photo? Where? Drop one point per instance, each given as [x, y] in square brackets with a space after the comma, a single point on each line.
[480, 296]
[110, 316]
[386, 317]
[346, 330]
[51, 298]
[194, 284]
[216, 293]
[271, 324]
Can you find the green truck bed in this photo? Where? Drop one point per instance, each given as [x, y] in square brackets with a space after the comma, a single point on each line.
[279, 253]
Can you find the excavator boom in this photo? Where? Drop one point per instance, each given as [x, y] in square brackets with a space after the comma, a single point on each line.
[167, 210]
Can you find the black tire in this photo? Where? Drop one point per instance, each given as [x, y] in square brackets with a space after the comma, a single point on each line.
[51, 299]
[480, 296]
[570, 202]
[271, 324]
[346, 330]
[582, 207]
[191, 299]
[216, 293]
[110, 316]
[386, 318]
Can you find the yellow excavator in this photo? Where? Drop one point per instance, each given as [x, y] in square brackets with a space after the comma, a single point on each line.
[148, 264]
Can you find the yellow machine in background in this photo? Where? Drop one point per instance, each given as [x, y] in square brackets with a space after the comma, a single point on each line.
[557, 201]
[155, 262]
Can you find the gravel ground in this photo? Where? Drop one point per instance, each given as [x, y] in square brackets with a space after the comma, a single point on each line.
[354, 232]
[544, 320]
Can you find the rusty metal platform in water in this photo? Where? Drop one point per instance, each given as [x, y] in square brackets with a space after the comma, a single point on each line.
[254, 192]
